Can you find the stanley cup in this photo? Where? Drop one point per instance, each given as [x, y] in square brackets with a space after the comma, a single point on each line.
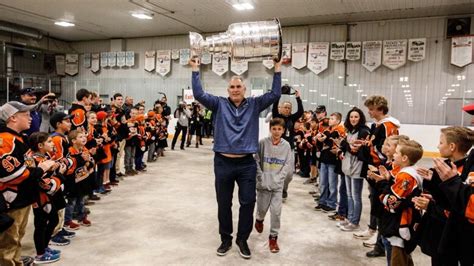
[242, 41]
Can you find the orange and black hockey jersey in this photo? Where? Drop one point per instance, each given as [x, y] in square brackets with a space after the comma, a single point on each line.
[81, 165]
[50, 187]
[61, 146]
[79, 120]
[379, 131]
[18, 174]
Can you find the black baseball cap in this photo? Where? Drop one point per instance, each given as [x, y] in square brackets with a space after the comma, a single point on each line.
[28, 90]
[321, 109]
[58, 117]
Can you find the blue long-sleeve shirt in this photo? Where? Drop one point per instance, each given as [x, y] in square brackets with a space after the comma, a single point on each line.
[236, 128]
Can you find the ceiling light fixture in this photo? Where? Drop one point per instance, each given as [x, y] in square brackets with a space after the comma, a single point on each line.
[243, 6]
[142, 16]
[64, 24]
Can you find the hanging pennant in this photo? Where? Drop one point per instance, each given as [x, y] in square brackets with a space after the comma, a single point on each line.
[394, 53]
[239, 67]
[461, 51]
[72, 64]
[150, 60]
[184, 56]
[286, 54]
[86, 63]
[120, 59]
[220, 63]
[416, 49]
[188, 96]
[175, 54]
[353, 50]
[337, 50]
[206, 58]
[104, 58]
[163, 62]
[299, 55]
[112, 61]
[60, 65]
[371, 55]
[318, 56]
[268, 63]
[130, 58]
[95, 62]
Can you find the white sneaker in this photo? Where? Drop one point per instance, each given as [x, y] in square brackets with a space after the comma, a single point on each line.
[364, 235]
[371, 242]
[350, 227]
[342, 223]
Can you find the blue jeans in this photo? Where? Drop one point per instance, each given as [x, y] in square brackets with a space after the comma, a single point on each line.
[342, 208]
[354, 198]
[328, 185]
[388, 249]
[74, 204]
[228, 171]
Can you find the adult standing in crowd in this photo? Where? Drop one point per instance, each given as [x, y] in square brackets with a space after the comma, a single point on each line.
[28, 97]
[235, 142]
[283, 111]
[183, 115]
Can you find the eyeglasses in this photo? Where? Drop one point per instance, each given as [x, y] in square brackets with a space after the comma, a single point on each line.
[235, 86]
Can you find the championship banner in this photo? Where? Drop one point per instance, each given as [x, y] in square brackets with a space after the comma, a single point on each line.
[299, 55]
[95, 62]
[394, 53]
[175, 54]
[353, 50]
[239, 67]
[416, 49]
[286, 54]
[150, 60]
[104, 58]
[60, 65]
[112, 61]
[72, 64]
[318, 56]
[86, 63]
[184, 56]
[120, 59]
[371, 55]
[163, 62]
[337, 50]
[130, 58]
[268, 63]
[188, 96]
[220, 64]
[461, 51]
[206, 58]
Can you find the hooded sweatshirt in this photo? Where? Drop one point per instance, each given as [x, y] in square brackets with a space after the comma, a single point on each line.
[273, 164]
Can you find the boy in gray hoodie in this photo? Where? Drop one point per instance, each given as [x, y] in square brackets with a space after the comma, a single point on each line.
[273, 165]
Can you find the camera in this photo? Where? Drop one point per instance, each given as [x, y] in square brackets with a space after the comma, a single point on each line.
[287, 89]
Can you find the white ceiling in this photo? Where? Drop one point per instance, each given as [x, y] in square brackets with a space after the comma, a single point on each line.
[105, 19]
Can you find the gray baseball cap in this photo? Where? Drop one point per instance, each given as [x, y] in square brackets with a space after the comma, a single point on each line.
[10, 108]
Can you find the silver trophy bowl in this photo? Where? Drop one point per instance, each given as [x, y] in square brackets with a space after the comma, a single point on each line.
[242, 41]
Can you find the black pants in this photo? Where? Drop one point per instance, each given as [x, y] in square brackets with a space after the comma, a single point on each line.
[227, 172]
[113, 173]
[44, 227]
[183, 131]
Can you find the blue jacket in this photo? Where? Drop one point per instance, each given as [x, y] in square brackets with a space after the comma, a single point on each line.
[236, 128]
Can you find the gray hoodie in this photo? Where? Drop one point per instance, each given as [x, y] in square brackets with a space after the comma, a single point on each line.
[273, 164]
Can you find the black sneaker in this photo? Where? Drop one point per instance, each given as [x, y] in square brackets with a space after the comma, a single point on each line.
[319, 207]
[244, 249]
[27, 260]
[66, 234]
[328, 209]
[375, 253]
[224, 248]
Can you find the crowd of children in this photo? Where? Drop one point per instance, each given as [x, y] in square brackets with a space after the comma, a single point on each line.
[61, 172]
[410, 206]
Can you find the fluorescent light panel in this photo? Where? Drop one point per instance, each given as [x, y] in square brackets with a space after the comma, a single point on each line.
[64, 24]
[142, 16]
[243, 6]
